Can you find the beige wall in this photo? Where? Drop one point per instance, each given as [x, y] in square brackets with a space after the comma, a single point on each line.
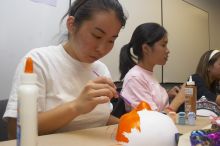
[140, 11]
[187, 27]
[213, 8]
[188, 34]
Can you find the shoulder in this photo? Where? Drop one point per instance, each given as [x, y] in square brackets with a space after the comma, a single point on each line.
[197, 78]
[46, 54]
[138, 73]
[136, 79]
[45, 51]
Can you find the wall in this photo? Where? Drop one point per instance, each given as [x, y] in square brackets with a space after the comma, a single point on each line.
[20, 30]
[25, 25]
[213, 8]
[188, 35]
[138, 12]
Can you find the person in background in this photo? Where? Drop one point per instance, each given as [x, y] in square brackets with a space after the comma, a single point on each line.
[207, 76]
[75, 87]
[147, 48]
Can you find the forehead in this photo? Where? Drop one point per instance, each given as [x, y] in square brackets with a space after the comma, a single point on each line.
[164, 38]
[218, 60]
[105, 20]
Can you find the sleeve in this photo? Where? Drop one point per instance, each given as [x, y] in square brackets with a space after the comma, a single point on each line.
[105, 71]
[135, 91]
[101, 69]
[11, 109]
[202, 90]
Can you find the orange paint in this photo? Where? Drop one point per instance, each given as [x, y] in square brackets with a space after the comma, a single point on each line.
[129, 121]
[143, 105]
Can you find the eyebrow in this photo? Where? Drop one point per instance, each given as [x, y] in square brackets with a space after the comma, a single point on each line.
[102, 31]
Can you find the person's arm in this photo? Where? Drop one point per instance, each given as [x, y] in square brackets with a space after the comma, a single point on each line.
[112, 120]
[173, 91]
[49, 121]
[98, 91]
[218, 100]
[177, 101]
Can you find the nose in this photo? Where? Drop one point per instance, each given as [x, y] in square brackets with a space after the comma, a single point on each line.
[103, 48]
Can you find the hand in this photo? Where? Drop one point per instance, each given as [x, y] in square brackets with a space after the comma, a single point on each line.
[173, 92]
[179, 99]
[181, 94]
[97, 91]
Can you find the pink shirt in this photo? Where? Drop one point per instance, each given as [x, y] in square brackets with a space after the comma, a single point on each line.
[140, 85]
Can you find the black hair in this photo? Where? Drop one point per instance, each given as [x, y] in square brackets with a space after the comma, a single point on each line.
[84, 10]
[146, 33]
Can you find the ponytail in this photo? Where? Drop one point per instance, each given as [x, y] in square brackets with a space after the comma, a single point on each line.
[125, 61]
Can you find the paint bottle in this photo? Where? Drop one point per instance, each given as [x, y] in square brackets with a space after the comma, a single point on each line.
[190, 97]
[191, 118]
[27, 107]
[181, 118]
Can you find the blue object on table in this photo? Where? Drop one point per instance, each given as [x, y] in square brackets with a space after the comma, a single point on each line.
[191, 118]
[181, 118]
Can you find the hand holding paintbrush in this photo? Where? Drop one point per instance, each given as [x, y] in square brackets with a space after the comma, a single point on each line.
[98, 91]
[118, 94]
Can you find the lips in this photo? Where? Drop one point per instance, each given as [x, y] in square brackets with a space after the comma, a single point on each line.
[94, 57]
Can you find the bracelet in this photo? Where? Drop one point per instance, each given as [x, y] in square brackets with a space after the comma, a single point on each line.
[170, 109]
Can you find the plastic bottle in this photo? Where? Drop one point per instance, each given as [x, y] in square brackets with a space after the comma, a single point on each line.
[190, 97]
[27, 130]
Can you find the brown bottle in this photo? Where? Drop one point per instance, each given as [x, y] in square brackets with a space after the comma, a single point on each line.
[190, 97]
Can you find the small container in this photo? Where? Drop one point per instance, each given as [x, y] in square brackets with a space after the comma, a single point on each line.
[191, 118]
[181, 118]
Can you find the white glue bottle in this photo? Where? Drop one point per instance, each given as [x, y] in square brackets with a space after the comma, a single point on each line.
[27, 129]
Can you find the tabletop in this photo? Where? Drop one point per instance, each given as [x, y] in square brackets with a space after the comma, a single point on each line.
[103, 136]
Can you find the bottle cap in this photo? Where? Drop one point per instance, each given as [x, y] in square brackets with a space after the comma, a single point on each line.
[28, 76]
[190, 82]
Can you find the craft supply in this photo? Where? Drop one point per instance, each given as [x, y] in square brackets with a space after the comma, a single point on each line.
[27, 107]
[190, 97]
[181, 118]
[191, 118]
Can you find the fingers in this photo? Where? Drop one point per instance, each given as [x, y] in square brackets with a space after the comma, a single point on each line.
[104, 80]
[176, 89]
[102, 92]
[102, 87]
[101, 99]
[183, 85]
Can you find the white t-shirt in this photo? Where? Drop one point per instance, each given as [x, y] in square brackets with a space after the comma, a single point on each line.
[61, 79]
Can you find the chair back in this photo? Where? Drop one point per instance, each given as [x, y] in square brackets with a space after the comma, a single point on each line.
[3, 124]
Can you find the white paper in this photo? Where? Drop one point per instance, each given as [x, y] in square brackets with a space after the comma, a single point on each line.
[48, 2]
